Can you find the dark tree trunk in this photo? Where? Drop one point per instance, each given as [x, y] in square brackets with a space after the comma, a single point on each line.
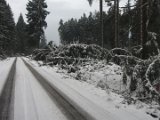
[116, 5]
[143, 32]
[101, 22]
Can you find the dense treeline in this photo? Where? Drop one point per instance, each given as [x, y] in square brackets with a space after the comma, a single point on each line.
[7, 29]
[23, 37]
[87, 28]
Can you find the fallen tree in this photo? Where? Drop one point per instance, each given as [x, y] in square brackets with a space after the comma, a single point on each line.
[70, 53]
[140, 76]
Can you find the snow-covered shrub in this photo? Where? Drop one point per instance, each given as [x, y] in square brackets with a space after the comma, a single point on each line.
[73, 50]
[125, 60]
[153, 77]
[137, 82]
[40, 54]
[117, 52]
[144, 80]
[136, 51]
[70, 54]
[120, 51]
[134, 70]
[97, 52]
[75, 54]
[82, 51]
[65, 60]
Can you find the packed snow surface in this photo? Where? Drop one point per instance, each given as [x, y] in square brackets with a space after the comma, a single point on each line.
[5, 67]
[31, 101]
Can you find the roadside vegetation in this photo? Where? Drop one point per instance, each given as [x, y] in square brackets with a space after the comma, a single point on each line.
[139, 77]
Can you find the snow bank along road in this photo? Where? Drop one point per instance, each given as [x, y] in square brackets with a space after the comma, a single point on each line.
[28, 93]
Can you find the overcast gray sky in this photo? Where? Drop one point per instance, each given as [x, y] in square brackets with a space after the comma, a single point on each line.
[59, 9]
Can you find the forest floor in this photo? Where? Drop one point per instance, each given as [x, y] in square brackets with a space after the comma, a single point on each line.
[104, 85]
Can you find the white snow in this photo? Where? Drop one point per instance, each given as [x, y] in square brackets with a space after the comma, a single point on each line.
[5, 67]
[31, 101]
[111, 102]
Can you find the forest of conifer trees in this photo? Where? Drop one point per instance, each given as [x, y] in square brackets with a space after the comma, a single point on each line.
[87, 29]
[7, 28]
[21, 37]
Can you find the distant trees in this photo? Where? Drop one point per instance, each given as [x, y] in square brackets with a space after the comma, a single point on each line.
[138, 25]
[82, 30]
[36, 16]
[7, 28]
[87, 29]
[100, 20]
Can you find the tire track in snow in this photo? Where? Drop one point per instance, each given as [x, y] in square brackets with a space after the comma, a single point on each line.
[67, 109]
[7, 94]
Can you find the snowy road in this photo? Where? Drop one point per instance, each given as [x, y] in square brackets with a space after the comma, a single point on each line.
[7, 71]
[31, 101]
[37, 94]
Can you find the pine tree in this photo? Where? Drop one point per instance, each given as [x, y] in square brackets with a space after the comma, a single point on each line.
[21, 34]
[7, 28]
[11, 30]
[3, 28]
[36, 16]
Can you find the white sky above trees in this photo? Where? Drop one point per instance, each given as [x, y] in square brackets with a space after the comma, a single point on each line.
[59, 9]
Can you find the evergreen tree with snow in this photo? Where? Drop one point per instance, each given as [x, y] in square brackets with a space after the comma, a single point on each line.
[3, 28]
[7, 28]
[21, 34]
[36, 16]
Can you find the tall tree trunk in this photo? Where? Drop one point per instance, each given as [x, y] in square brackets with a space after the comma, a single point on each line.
[143, 31]
[101, 21]
[130, 25]
[116, 5]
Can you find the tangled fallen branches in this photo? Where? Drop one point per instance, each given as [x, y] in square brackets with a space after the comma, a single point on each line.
[70, 54]
[140, 76]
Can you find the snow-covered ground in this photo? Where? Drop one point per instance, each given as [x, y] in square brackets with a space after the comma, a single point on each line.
[31, 101]
[5, 67]
[97, 83]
